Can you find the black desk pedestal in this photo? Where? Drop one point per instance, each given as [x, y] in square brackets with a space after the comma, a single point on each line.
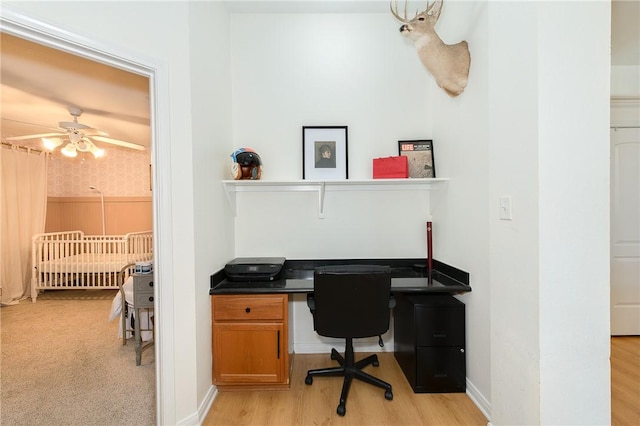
[429, 335]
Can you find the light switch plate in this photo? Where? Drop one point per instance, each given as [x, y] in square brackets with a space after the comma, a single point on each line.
[505, 208]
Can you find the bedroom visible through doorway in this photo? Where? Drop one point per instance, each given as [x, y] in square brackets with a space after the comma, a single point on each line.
[110, 195]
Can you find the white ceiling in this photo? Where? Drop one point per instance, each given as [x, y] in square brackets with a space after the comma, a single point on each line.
[39, 84]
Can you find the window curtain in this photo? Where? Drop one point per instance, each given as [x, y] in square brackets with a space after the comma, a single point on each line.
[23, 207]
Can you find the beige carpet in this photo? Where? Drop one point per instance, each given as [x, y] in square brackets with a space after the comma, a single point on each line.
[63, 364]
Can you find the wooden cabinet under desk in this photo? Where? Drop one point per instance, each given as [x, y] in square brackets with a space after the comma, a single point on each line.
[250, 341]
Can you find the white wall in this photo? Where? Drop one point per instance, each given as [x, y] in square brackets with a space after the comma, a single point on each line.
[143, 34]
[549, 266]
[291, 70]
[212, 143]
[489, 142]
[574, 230]
[625, 80]
[513, 163]
[508, 134]
[462, 127]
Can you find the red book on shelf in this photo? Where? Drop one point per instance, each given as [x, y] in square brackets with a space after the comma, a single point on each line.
[390, 167]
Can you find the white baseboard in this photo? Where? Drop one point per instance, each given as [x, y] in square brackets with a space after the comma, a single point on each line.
[478, 398]
[196, 419]
[204, 408]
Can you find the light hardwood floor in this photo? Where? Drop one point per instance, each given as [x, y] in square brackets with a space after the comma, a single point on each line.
[316, 404]
[366, 405]
[625, 381]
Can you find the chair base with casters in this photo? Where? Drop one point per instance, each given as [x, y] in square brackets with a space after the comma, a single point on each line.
[350, 369]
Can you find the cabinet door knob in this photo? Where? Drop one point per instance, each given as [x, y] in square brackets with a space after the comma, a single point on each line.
[247, 310]
[151, 299]
[150, 283]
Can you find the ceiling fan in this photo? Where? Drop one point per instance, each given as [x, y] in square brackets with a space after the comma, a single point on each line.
[78, 137]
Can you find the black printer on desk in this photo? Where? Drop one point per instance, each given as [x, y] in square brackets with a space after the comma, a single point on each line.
[254, 268]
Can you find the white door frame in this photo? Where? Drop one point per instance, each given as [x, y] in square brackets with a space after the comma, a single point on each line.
[30, 29]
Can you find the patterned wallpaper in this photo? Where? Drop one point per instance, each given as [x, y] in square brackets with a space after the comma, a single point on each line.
[120, 173]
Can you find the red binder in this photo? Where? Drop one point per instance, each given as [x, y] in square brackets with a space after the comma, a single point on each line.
[390, 167]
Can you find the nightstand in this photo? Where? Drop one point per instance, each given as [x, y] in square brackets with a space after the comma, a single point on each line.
[143, 298]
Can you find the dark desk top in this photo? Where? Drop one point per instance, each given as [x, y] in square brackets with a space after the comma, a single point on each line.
[407, 276]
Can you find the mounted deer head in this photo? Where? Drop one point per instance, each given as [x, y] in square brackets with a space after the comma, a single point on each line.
[448, 63]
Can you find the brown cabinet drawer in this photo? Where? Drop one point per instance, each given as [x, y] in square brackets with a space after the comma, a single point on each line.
[258, 307]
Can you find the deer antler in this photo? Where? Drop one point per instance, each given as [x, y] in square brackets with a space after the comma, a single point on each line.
[437, 5]
[448, 63]
[428, 10]
[395, 12]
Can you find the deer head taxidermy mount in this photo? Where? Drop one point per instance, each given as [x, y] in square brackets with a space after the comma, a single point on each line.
[448, 63]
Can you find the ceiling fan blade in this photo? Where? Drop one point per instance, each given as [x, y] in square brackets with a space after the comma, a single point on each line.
[119, 142]
[94, 132]
[42, 135]
[119, 116]
[26, 123]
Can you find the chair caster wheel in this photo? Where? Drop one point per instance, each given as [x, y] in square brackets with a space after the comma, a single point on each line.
[308, 380]
[388, 395]
[341, 410]
[333, 357]
[375, 363]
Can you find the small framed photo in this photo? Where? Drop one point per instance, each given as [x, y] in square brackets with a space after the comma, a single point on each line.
[420, 158]
[324, 153]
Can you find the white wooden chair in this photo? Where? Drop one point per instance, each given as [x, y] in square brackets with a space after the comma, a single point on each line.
[127, 305]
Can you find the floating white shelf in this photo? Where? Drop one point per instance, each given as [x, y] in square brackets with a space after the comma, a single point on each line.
[231, 187]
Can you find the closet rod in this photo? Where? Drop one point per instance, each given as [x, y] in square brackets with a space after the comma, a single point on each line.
[624, 127]
[26, 148]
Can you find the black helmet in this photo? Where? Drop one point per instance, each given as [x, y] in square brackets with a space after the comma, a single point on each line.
[245, 164]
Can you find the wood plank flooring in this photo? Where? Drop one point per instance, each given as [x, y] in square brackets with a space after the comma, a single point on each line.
[366, 405]
[625, 380]
[316, 404]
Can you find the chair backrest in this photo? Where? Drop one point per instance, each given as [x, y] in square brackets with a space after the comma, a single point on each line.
[351, 300]
[124, 273]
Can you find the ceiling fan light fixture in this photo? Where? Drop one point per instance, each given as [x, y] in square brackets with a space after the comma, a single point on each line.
[51, 143]
[69, 150]
[75, 136]
[97, 152]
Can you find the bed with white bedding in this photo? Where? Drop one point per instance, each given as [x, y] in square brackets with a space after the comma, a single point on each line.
[71, 260]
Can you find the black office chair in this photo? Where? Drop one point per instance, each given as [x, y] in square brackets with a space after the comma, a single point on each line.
[351, 301]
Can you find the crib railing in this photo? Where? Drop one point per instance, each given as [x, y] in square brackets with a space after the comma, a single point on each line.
[72, 260]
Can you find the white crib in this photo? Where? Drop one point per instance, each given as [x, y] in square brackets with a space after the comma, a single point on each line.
[71, 260]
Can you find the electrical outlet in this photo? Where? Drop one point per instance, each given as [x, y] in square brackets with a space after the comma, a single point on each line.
[505, 208]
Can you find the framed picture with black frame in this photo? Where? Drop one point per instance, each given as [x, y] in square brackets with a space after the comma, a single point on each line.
[420, 157]
[324, 153]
